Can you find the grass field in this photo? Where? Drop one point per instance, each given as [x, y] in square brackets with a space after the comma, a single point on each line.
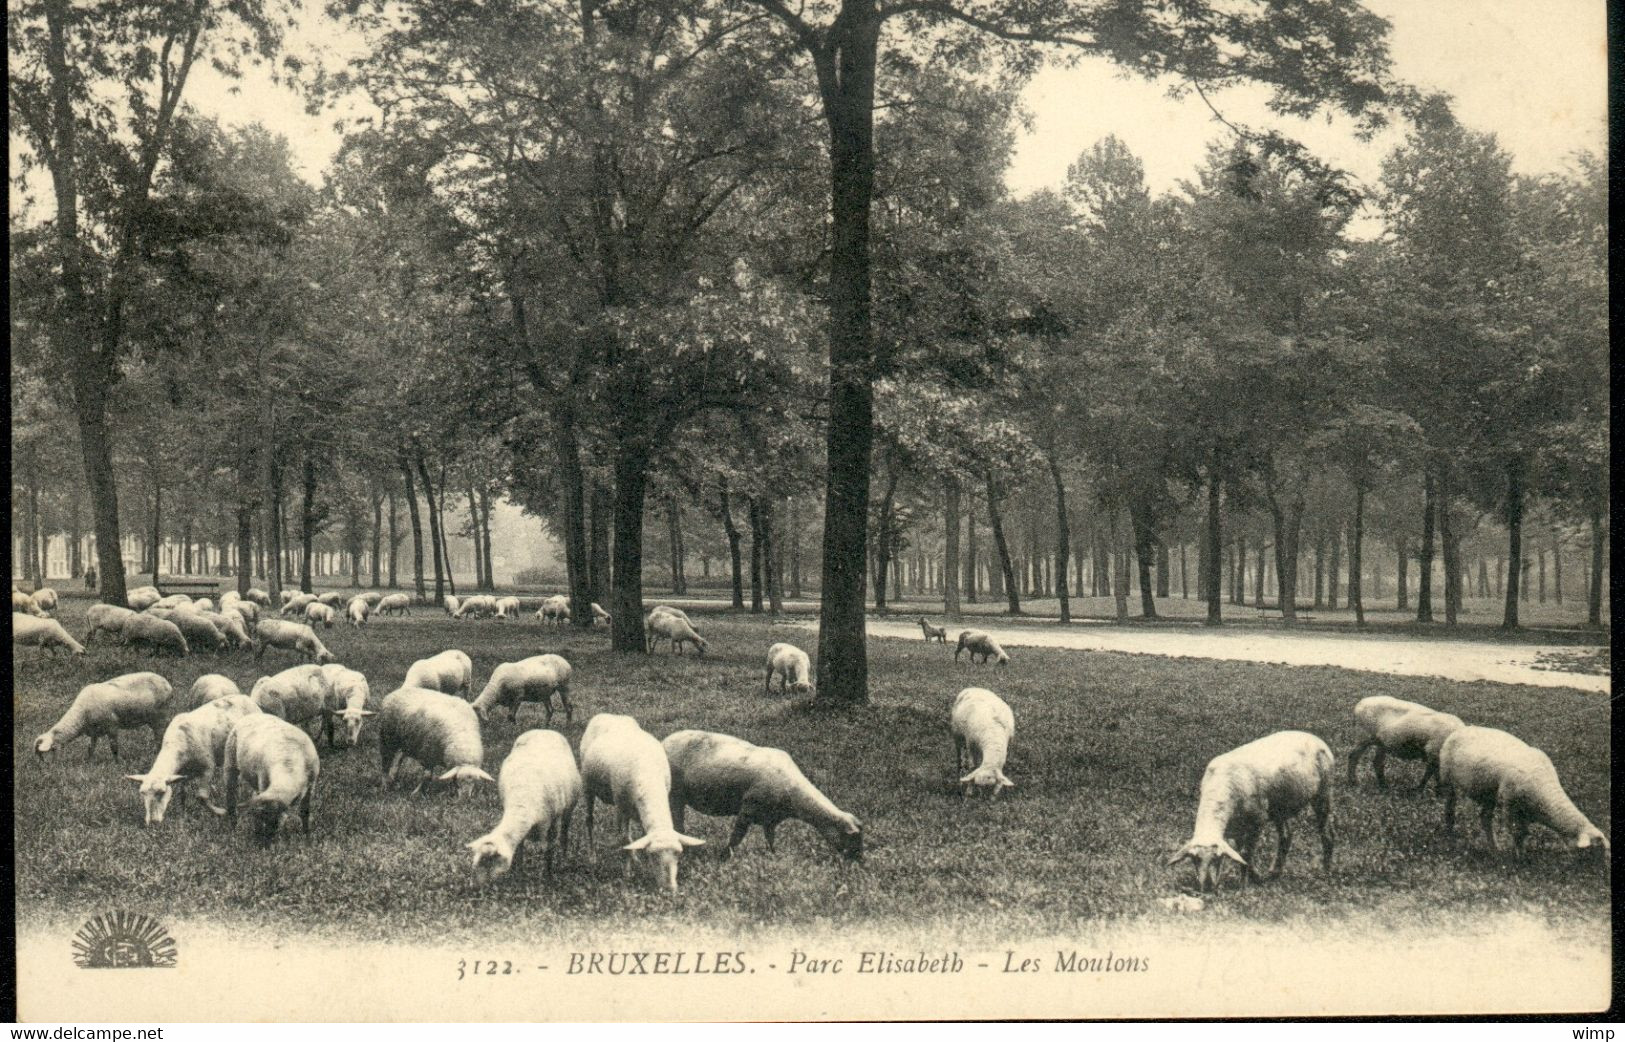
[1107, 756]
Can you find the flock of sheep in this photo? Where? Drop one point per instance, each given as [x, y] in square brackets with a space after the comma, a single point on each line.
[258, 742]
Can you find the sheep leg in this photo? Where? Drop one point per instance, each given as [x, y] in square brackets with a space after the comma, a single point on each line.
[1354, 757]
[767, 682]
[959, 752]
[1431, 772]
[304, 809]
[112, 740]
[1518, 825]
[737, 836]
[1486, 818]
[1377, 762]
[564, 829]
[591, 853]
[1283, 843]
[1450, 808]
[92, 750]
[767, 833]
[569, 710]
[1323, 823]
[394, 769]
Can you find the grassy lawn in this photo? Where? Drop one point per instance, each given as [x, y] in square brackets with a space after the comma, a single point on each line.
[1107, 756]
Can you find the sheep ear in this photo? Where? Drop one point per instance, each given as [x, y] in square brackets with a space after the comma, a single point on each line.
[689, 841]
[637, 844]
[138, 778]
[367, 712]
[175, 779]
[1182, 854]
[853, 827]
[1230, 852]
[969, 779]
[482, 776]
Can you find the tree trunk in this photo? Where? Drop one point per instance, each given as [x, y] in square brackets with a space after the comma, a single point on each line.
[1063, 539]
[394, 543]
[1402, 573]
[1594, 592]
[1334, 571]
[1144, 551]
[573, 507]
[883, 538]
[1424, 559]
[1118, 554]
[1320, 570]
[598, 577]
[674, 536]
[186, 551]
[772, 573]
[626, 629]
[485, 537]
[755, 557]
[1213, 589]
[438, 506]
[1540, 571]
[1356, 541]
[157, 529]
[1451, 545]
[969, 565]
[795, 549]
[271, 526]
[1164, 580]
[1483, 578]
[950, 549]
[732, 531]
[481, 580]
[1557, 565]
[1011, 595]
[435, 544]
[410, 494]
[377, 538]
[1288, 522]
[1514, 522]
[1258, 576]
[307, 521]
[1184, 573]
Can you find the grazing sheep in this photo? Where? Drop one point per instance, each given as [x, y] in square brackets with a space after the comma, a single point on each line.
[666, 626]
[232, 627]
[450, 604]
[23, 604]
[624, 765]
[1408, 730]
[316, 612]
[540, 787]
[199, 632]
[450, 672]
[372, 597]
[288, 595]
[983, 722]
[106, 618]
[203, 605]
[103, 710]
[435, 729]
[249, 610]
[347, 697]
[599, 615]
[792, 666]
[154, 634]
[666, 609]
[333, 599]
[534, 679]
[210, 686]
[556, 609]
[44, 599]
[296, 604]
[980, 643]
[1495, 769]
[173, 601]
[43, 633]
[194, 746]
[297, 694]
[395, 604]
[936, 633]
[143, 597]
[1267, 780]
[290, 636]
[259, 597]
[279, 763]
[722, 776]
[480, 604]
[507, 607]
[358, 610]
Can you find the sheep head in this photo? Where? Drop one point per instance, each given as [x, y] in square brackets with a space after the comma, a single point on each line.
[847, 838]
[267, 814]
[493, 858]
[1210, 859]
[1591, 836]
[354, 720]
[660, 852]
[802, 687]
[990, 779]
[156, 793]
[45, 743]
[465, 778]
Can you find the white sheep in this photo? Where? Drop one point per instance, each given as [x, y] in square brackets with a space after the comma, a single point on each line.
[297, 694]
[249, 610]
[793, 667]
[259, 597]
[44, 599]
[45, 634]
[173, 601]
[395, 604]
[599, 614]
[1407, 730]
[358, 610]
[533, 679]
[154, 634]
[450, 672]
[23, 604]
[102, 710]
[232, 627]
[1495, 769]
[450, 604]
[936, 633]
[142, 597]
[203, 605]
[556, 609]
[333, 599]
[210, 686]
[507, 607]
[1267, 780]
[200, 633]
[979, 643]
[480, 604]
[723, 776]
[372, 597]
[194, 746]
[317, 612]
[982, 724]
[288, 595]
[295, 605]
[624, 765]
[106, 618]
[290, 636]
[435, 729]
[347, 696]
[666, 609]
[278, 762]
[540, 787]
[666, 626]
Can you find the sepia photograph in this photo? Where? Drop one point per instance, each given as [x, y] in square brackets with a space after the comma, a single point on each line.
[809, 510]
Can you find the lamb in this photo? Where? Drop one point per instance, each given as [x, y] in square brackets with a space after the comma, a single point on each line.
[1407, 730]
[720, 775]
[209, 687]
[1267, 780]
[297, 694]
[982, 721]
[290, 636]
[194, 745]
[540, 787]
[936, 633]
[103, 710]
[358, 611]
[599, 615]
[173, 601]
[45, 634]
[507, 607]
[316, 612]
[435, 729]
[450, 672]
[395, 604]
[1493, 768]
[792, 666]
[259, 596]
[23, 604]
[624, 765]
[106, 618]
[347, 697]
[143, 597]
[666, 626]
[534, 679]
[481, 604]
[280, 765]
[295, 605]
[980, 643]
[556, 609]
[333, 599]
[154, 634]
[450, 604]
[44, 599]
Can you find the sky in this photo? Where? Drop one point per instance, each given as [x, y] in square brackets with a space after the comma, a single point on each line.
[1532, 71]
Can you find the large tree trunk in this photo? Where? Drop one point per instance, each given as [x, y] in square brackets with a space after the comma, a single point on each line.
[245, 548]
[598, 580]
[1164, 580]
[435, 545]
[307, 522]
[76, 536]
[1011, 595]
[950, 548]
[1424, 558]
[394, 544]
[1514, 521]
[626, 629]
[1144, 551]
[732, 531]
[481, 581]
[1287, 519]
[674, 537]
[271, 527]
[795, 549]
[1118, 555]
[1402, 573]
[969, 564]
[485, 537]
[573, 507]
[755, 556]
[410, 493]
[1594, 593]
[438, 507]
[157, 542]
[1063, 539]
[772, 572]
[884, 540]
[1214, 589]
[1452, 556]
[377, 537]
[846, 77]
[1356, 547]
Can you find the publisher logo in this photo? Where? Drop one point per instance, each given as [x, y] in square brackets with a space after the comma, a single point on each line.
[123, 940]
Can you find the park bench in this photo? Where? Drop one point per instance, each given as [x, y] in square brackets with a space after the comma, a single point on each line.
[1273, 611]
[191, 585]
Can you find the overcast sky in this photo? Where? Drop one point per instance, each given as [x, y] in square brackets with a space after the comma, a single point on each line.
[1532, 71]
